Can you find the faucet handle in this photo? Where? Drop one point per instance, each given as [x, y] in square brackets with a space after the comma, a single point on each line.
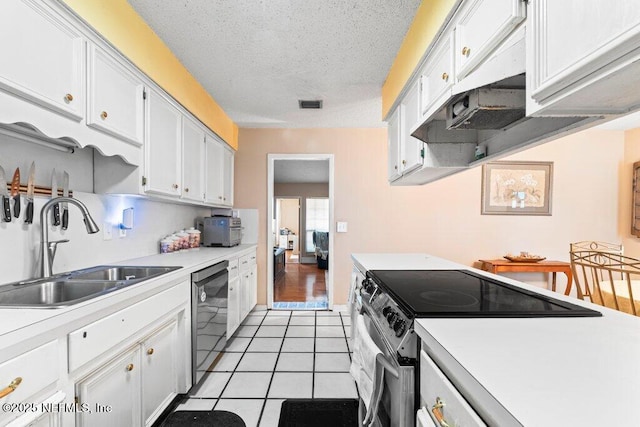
[53, 244]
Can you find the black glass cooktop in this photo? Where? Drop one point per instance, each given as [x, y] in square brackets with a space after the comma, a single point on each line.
[458, 293]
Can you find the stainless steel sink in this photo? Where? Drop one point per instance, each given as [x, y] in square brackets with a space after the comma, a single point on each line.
[107, 272]
[57, 293]
[74, 287]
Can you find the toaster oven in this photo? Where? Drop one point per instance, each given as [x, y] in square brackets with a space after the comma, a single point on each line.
[220, 230]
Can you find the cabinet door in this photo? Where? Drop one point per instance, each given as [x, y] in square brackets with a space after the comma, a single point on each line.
[573, 40]
[227, 194]
[393, 145]
[411, 147]
[252, 293]
[159, 371]
[437, 76]
[214, 170]
[162, 146]
[117, 385]
[483, 25]
[233, 310]
[116, 103]
[42, 58]
[193, 151]
[245, 285]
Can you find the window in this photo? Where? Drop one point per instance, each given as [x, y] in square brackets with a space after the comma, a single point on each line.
[316, 219]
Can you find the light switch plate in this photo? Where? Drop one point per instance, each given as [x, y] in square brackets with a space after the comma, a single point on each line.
[341, 227]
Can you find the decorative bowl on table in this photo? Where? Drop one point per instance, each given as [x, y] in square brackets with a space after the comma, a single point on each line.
[524, 257]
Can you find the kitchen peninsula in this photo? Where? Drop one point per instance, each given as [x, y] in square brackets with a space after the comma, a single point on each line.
[544, 371]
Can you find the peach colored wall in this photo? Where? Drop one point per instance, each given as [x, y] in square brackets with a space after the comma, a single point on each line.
[441, 218]
[631, 155]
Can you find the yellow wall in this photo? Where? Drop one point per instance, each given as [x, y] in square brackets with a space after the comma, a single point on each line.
[429, 18]
[119, 23]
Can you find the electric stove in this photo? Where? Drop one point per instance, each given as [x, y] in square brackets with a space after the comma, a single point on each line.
[461, 293]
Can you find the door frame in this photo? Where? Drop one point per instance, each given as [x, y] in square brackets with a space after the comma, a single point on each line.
[299, 199]
[271, 158]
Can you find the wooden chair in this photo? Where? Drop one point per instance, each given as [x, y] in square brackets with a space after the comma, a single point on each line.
[590, 246]
[608, 279]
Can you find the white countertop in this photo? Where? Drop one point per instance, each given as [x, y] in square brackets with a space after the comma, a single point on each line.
[544, 371]
[13, 320]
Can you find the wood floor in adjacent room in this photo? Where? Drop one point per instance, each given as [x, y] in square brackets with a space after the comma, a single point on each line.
[300, 282]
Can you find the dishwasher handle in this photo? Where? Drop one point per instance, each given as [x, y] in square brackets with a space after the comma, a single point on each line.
[205, 273]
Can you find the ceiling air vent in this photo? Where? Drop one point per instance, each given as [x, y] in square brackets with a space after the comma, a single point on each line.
[313, 105]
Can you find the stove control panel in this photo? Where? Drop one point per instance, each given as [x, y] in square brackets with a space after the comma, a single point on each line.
[394, 324]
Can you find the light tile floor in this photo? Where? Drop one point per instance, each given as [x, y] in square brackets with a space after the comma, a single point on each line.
[276, 355]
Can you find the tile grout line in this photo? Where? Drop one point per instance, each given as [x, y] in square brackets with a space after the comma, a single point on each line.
[236, 367]
[313, 374]
[273, 373]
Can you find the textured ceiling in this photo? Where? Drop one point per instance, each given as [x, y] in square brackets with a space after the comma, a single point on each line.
[258, 57]
[301, 171]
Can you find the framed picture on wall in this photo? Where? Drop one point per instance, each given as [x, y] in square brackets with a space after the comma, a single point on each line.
[517, 188]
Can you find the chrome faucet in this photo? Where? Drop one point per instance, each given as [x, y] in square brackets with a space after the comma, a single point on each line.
[49, 248]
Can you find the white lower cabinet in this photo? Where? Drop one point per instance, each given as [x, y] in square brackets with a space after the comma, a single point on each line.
[248, 284]
[136, 386]
[159, 371]
[439, 396]
[233, 302]
[111, 394]
[29, 375]
[44, 415]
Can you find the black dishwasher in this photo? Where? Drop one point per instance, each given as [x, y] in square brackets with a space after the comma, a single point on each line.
[209, 296]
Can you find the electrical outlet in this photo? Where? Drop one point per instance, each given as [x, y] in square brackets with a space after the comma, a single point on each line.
[122, 232]
[107, 230]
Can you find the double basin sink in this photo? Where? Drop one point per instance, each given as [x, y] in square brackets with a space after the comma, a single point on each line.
[74, 287]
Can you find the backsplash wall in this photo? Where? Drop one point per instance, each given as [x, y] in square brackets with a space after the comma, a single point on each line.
[20, 251]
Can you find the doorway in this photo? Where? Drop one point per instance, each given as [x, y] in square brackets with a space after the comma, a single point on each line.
[300, 207]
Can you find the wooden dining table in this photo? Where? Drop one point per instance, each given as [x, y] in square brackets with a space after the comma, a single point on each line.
[505, 266]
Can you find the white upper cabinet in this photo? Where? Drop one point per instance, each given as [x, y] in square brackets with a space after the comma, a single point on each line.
[193, 157]
[583, 56]
[218, 173]
[393, 144]
[437, 76]
[116, 103]
[42, 58]
[410, 147]
[214, 172]
[227, 172]
[482, 26]
[163, 148]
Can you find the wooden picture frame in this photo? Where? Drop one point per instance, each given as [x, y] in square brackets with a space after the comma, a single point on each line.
[517, 188]
[635, 201]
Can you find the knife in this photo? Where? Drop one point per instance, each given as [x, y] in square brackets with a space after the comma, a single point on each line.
[28, 219]
[65, 206]
[15, 192]
[54, 194]
[6, 207]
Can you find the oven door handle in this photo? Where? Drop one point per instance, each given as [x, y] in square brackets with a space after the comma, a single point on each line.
[382, 359]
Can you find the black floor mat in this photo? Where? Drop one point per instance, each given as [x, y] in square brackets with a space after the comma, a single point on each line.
[203, 419]
[319, 413]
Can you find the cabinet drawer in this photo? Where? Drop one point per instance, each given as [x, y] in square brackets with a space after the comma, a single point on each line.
[38, 369]
[233, 268]
[247, 261]
[436, 389]
[89, 342]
